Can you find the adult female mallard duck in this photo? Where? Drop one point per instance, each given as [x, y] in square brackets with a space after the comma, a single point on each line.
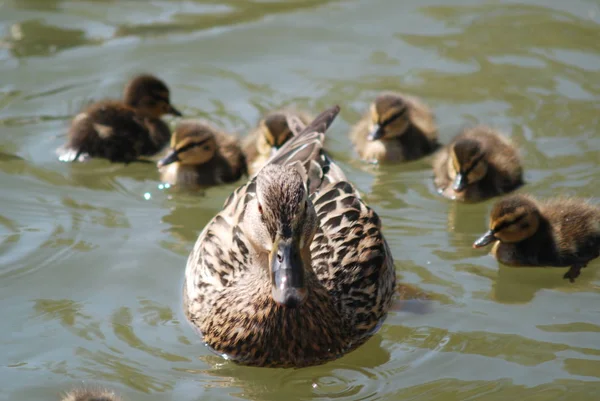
[90, 395]
[397, 128]
[122, 131]
[201, 155]
[269, 135]
[294, 271]
[478, 164]
[558, 232]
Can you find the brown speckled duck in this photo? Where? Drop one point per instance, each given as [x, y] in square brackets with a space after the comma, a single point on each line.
[557, 232]
[397, 128]
[122, 131]
[202, 156]
[478, 164]
[294, 271]
[90, 395]
[269, 135]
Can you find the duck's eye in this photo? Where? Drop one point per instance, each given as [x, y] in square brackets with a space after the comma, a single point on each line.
[279, 257]
[206, 147]
[260, 209]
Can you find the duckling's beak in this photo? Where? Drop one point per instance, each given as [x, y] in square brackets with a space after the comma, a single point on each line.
[287, 273]
[460, 182]
[174, 111]
[172, 157]
[376, 133]
[484, 240]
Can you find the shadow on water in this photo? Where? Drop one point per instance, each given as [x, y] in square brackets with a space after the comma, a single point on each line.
[36, 38]
[358, 375]
[230, 13]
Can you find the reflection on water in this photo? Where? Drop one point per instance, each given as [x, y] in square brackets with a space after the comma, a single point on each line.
[92, 254]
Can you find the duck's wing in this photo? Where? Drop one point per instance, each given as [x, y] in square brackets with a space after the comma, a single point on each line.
[295, 123]
[306, 153]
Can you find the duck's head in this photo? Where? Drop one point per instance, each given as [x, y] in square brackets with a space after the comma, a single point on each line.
[281, 223]
[192, 143]
[273, 132]
[512, 219]
[150, 96]
[467, 163]
[90, 395]
[389, 117]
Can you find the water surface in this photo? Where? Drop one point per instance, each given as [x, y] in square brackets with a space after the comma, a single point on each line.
[92, 255]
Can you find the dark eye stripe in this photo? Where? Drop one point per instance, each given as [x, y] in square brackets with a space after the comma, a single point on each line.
[505, 224]
[394, 117]
[190, 146]
[473, 165]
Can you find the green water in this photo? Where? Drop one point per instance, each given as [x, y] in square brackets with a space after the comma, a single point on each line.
[92, 255]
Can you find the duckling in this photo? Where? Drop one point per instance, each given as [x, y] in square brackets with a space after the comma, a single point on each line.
[122, 131]
[90, 395]
[202, 156]
[294, 271]
[558, 232]
[478, 164]
[269, 135]
[397, 128]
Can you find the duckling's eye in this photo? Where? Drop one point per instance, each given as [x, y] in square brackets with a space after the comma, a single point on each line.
[206, 147]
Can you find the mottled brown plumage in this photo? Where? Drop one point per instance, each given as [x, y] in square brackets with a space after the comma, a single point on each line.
[478, 164]
[294, 271]
[122, 131]
[397, 128]
[202, 156]
[269, 135]
[90, 395]
[557, 232]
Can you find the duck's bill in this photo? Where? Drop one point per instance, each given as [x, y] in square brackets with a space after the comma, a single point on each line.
[172, 157]
[287, 274]
[484, 240]
[460, 183]
[174, 111]
[376, 133]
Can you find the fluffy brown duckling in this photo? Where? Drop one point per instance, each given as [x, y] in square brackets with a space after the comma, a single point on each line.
[557, 232]
[269, 135]
[397, 128]
[478, 164]
[201, 155]
[122, 131]
[91, 395]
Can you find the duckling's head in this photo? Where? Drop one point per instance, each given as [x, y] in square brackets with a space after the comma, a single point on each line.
[90, 395]
[512, 219]
[389, 117]
[150, 96]
[273, 133]
[192, 143]
[467, 163]
[281, 223]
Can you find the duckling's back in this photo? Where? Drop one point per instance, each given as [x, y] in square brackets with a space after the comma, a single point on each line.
[116, 132]
[575, 228]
